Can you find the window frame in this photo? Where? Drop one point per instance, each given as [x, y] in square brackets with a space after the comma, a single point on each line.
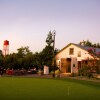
[71, 51]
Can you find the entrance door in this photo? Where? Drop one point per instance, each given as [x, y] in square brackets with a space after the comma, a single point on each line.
[63, 65]
[68, 69]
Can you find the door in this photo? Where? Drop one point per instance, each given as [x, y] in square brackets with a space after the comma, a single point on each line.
[63, 65]
[68, 69]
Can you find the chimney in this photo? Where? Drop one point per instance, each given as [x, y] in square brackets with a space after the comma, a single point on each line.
[82, 43]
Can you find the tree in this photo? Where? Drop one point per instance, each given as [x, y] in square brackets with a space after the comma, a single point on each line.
[28, 61]
[1, 58]
[37, 60]
[49, 39]
[24, 57]
[47, 55]
[98, 45]
[23, 51]
[10, 61]
[88, 43]
[95, 63]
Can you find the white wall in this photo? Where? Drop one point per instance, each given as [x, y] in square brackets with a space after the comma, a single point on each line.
[65, 54]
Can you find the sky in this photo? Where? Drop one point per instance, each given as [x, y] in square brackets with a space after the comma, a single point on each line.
[28, 22]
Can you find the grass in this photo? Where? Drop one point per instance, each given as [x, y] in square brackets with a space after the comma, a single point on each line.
[14, 88]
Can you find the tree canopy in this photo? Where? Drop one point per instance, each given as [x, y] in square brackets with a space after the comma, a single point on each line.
[24, 58]
[89, 43]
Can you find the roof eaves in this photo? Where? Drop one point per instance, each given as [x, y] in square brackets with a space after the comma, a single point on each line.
[64, 48]
[79, 46]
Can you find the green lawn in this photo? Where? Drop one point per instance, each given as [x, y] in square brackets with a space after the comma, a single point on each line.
[14, 88]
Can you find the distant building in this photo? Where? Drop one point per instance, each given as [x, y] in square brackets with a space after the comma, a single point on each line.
[6, 47]
[70, 58]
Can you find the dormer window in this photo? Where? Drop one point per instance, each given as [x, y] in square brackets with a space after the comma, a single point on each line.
[71, 51]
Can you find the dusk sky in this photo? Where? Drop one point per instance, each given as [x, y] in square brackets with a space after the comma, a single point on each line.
[27, 22]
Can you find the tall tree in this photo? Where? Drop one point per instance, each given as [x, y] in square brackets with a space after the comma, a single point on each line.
[49, 39]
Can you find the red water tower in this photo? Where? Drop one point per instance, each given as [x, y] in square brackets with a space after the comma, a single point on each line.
[6, 47]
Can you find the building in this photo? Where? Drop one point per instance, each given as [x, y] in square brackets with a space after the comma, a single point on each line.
[6, 47]
[70, 58]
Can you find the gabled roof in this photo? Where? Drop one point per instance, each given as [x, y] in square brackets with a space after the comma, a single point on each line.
[86, 48]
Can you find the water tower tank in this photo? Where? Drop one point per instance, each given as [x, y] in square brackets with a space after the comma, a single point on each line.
[6, 42]
[6, 47]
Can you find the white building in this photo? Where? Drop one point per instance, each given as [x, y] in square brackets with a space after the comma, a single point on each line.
[71, 57]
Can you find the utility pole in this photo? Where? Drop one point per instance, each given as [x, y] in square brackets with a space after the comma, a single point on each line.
[53, 34]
